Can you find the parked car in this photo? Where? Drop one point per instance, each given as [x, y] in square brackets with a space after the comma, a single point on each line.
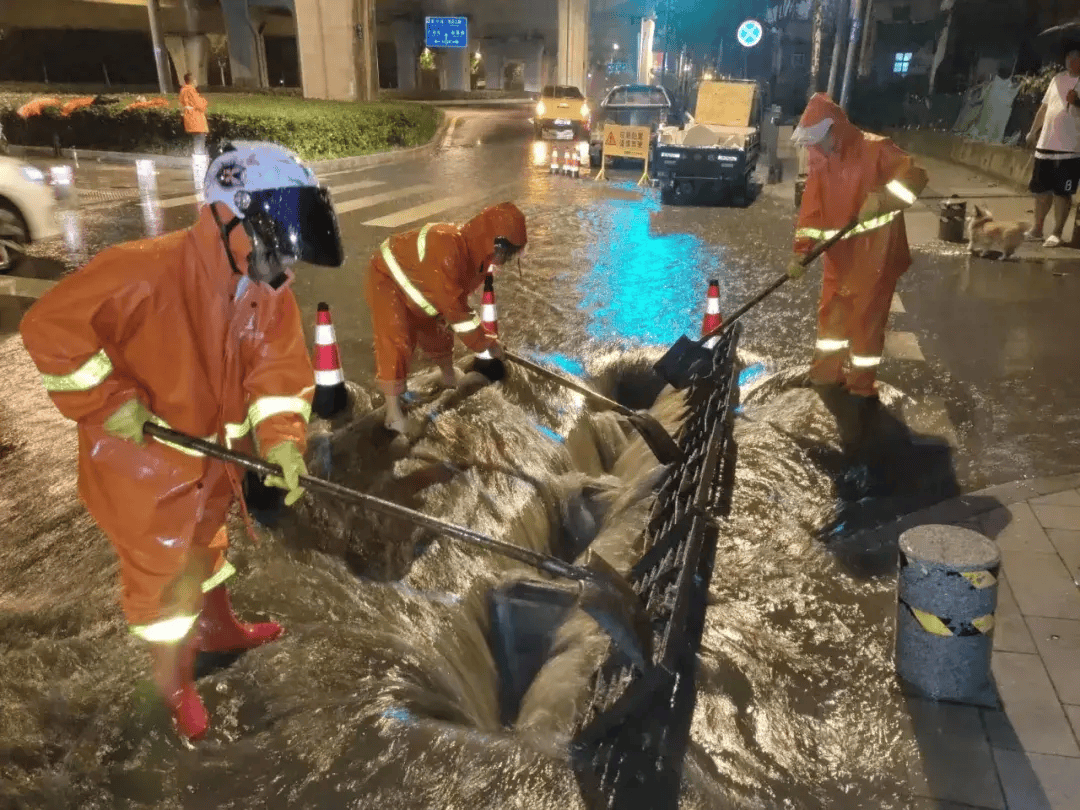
[27, 209]
[630, 105]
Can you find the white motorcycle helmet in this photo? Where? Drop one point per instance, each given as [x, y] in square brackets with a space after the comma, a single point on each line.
[278, 201]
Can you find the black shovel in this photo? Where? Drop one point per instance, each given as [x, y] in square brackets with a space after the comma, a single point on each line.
[659, 440]
[688, 359]
[601, 592]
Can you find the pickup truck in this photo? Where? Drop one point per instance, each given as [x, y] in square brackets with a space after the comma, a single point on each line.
[716, 151]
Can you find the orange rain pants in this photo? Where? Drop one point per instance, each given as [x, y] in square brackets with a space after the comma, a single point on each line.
[860, 271]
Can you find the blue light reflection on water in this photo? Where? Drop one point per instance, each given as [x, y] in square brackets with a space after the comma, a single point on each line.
[551, 434]
[560, 361]
[642, 288]
[751, 373]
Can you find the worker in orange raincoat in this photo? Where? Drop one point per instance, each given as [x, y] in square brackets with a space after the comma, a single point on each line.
[853, 174]
[194, 108]
[197, 330]
[417, 289]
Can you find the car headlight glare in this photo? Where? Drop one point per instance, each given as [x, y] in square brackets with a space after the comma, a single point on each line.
[540, 108]
[32, 174]
[584, 110]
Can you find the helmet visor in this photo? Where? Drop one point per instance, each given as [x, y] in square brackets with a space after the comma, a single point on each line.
[297, 222]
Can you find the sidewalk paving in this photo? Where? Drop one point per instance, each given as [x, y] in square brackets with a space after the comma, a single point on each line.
[1025, 755]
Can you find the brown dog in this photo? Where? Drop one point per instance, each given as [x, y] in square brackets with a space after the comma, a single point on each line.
[992, 239]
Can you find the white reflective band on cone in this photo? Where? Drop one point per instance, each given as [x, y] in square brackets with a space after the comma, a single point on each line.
[831, 344]
[900, 191]
[324, 335]
[165, 631]
[712, 306]
[863, 361]
[708, 344]
[487, 312]
[331, 377]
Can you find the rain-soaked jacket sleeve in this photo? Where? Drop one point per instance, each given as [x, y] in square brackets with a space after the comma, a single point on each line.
[279, 379]
[811, 223]
[451, 296]
[73, 334]
[898, 175]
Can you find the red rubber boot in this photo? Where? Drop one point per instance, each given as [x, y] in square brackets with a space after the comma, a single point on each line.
[174, 676]
[219, 630]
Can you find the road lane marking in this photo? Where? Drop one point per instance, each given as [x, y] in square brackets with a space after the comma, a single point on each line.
[448, 137]
[897, 305]
[407, 215]
[903, 346]
[928, 420]
[24, 287]
[379, 199]
[174, 202]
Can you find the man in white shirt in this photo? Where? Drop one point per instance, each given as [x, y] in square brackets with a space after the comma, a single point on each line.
[1057, 150]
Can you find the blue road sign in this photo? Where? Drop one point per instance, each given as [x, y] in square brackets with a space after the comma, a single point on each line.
[446, 32]
[750, 33]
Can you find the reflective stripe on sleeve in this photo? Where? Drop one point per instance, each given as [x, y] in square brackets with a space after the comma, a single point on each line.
[89, 375]
[900, 191]
[403, 281]
[235, 431]
[466, 326]
[864, 361]
[165, 631]
[831, 344]
[219, 576]
[265, 407]
[861, 228]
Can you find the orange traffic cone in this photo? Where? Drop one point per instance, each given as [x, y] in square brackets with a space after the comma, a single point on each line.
[575, 167]
[713, 319]
[489, 317]
[330, 394]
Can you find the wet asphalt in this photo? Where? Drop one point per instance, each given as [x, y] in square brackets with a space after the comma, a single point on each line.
[384, 692]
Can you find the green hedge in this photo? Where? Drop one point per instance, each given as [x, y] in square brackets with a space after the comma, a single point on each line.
[317, 130]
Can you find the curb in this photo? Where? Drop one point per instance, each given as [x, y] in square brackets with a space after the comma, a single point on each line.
[176, 162]
[965, 508]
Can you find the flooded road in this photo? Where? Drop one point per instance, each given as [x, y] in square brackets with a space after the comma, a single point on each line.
[384, 692]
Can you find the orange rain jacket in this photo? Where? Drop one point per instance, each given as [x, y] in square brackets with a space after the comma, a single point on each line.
[156, 319]
[860, 271]
[194, 107]
[418, 286]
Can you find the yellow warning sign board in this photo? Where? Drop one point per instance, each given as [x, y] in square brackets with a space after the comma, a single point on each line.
[630, 142]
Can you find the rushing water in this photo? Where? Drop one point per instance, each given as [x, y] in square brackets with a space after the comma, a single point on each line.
[384, 691]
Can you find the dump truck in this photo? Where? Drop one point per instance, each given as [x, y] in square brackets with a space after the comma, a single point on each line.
[715, 152]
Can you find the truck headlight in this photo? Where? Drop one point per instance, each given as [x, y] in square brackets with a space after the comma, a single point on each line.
[540, 108]
[584, 110]
[32, 174]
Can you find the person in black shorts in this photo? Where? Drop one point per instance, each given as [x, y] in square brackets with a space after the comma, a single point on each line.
[1056, 138]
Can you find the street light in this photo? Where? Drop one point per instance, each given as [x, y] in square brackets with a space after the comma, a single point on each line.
[615, 46]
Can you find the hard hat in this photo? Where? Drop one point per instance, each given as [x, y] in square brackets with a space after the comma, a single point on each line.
[278, 201]
[812, 135]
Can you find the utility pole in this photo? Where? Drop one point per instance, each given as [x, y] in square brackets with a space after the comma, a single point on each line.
[853, 42]
[163, 77]
[815, 49]
[867, 35]
[838, 43]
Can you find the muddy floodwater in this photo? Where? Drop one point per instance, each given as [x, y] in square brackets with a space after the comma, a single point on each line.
[384, 691]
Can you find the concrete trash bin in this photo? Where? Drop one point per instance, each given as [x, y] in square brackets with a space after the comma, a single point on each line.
[947, 595]
[951, 221]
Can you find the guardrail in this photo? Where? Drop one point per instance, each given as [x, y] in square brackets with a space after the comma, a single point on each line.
[628, 747]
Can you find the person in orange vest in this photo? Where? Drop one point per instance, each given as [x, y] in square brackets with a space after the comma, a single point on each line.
[853, 174]
[194, 107]
[199, 330]
[417, 289]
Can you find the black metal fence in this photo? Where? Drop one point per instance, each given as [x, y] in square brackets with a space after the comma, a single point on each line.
[629, 745]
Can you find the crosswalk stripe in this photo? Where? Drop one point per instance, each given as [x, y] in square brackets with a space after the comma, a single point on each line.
[175, 202]
[378, 199]
[404, 217]
[903, 346]
[897, 305]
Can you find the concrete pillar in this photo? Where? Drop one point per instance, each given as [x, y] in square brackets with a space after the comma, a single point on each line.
[247, 54]
[493, 68]
[327, 45]
[571, 52]
[407, 45]
[456, 69]
[190, 54]
[534, 68]
[645, 50]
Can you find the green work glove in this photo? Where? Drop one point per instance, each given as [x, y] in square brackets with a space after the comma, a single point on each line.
[795, 268]
[287, 456]
[127, 421]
